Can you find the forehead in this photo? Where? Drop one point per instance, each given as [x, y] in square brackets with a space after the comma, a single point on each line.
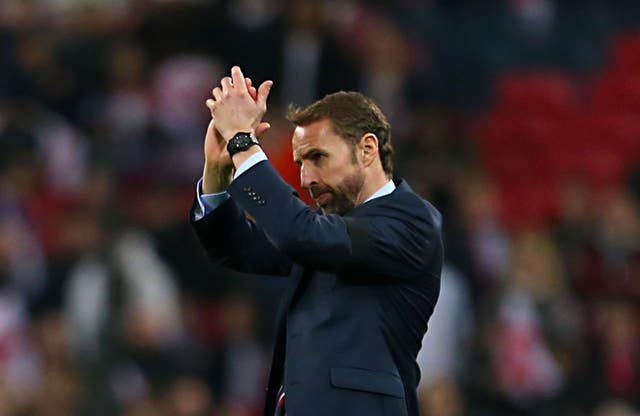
[316, 135]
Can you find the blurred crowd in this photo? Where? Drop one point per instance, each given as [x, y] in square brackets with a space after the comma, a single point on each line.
[108, 306]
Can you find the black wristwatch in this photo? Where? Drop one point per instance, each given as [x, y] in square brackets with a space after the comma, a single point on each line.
[241, 142]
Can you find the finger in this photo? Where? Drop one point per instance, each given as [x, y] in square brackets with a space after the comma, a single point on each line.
[217, 93]
[250, 88]
[263, 93]
[262, 127]
[253, 93]
[238, 79]
[227, 85]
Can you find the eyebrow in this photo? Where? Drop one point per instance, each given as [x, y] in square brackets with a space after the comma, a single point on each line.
[309, 154]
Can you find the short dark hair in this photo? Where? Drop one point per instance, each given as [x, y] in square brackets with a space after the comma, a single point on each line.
[352, 115]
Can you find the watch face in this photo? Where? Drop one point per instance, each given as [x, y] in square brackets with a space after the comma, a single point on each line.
[241, 142]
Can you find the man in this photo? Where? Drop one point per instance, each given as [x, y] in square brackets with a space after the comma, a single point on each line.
[365, 269]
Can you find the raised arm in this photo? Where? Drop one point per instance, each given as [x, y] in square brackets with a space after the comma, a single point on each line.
[386, 243]
[228, 236]
[234, 241]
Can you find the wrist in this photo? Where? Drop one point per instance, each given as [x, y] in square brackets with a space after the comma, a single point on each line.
[240, 157]
[232, 133]
[241, 142]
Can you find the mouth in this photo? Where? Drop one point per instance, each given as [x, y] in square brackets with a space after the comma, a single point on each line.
[322, 198]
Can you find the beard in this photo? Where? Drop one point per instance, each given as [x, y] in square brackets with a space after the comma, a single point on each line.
[343, 197]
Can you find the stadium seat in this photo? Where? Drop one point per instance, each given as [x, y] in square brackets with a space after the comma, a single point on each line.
[523, 146]
[624, 54]
[527, 205]
[616, 92]
[546, 90]
[618, 132]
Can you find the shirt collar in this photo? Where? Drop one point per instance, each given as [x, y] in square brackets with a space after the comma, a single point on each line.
[386, 189]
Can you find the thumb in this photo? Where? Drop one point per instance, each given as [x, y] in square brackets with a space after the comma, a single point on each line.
[212, 132]
[263, 93]
[211, 128]
[262, 127]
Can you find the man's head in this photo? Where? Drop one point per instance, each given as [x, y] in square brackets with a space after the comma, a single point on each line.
[343, 146]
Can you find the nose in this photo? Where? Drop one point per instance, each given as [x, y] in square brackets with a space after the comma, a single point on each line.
[308, 176]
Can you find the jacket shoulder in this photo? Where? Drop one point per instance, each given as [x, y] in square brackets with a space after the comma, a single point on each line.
[405, 205]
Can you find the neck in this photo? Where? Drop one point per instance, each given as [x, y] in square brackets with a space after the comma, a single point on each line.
[371, 185]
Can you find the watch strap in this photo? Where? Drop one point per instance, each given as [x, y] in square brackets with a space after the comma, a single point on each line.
[241, 141]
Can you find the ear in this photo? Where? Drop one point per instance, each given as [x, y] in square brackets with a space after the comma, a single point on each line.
[368, 149]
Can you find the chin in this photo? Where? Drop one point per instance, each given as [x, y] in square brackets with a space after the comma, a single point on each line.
[335, 210]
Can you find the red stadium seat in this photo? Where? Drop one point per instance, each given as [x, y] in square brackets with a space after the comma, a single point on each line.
[625, 53]
[531, 146]
[603, 168]
[545, 91]
[617, 132]
[615, 92]
[528, 205]
[519, 153]
[595, 149]
[536, 134]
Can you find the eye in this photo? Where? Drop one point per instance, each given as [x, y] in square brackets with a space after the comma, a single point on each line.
[316, 158]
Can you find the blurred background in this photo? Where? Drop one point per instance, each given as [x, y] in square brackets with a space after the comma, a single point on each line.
[518, 119]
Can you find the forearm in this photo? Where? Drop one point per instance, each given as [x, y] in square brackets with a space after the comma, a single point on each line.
[233, 241]
[208, 202]
[215, 178]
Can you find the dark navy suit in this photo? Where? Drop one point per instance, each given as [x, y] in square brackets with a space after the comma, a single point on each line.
[362, 289]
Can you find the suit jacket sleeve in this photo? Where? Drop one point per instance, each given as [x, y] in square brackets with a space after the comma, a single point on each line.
[233, 240]
[386, 243]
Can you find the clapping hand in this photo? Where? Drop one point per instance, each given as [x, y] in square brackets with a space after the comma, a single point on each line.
[218, 164]
[237, 106]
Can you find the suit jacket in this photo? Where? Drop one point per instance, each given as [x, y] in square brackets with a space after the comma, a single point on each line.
[363, 287]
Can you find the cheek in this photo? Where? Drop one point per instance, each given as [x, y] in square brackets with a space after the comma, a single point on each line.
[333, 173]
[334, 170]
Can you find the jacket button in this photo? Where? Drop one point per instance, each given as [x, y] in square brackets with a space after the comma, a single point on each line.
[261, 202]
[246, 188]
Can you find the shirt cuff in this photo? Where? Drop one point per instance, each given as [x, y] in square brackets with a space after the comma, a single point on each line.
[208, 202]
[252, 160]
